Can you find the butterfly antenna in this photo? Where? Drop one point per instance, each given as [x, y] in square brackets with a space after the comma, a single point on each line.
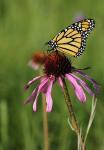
[86, 68]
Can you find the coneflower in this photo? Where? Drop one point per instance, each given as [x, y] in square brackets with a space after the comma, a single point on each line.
[57, 68]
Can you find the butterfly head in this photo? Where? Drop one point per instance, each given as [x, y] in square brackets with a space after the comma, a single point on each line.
[52, 44]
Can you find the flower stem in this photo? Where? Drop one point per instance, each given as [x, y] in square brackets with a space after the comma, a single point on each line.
[72, 116]
[70, 108]
[45, 124]
[45, 121]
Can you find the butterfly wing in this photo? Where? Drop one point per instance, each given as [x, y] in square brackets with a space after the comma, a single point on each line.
[72, 40]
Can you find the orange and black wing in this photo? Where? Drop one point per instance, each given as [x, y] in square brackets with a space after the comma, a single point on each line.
[72, 40]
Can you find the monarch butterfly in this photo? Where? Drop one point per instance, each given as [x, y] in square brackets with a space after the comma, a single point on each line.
[72, 39]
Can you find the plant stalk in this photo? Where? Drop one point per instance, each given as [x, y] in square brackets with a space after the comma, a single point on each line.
[45, 124]
[45, 121]
[72, 116]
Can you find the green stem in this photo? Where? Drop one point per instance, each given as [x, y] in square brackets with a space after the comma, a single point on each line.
[70, 108]
[72, 116]
[45, 124]
[45, 121]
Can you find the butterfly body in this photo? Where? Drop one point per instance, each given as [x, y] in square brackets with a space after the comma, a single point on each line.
[72, 40]
[52, 44]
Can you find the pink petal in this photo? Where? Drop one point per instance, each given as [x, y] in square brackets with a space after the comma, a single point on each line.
[34, 93]
[78, 89]
[95, 84]
[60, 82]
[49, 100]
[30, 98]
[44, 88]
[42, 84]
[32, 81]
[85, 86]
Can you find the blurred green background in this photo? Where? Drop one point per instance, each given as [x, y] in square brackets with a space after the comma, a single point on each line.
[25, 25]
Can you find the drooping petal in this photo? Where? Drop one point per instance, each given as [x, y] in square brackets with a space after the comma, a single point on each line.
[47, 91]
[95, 84]
[30, 98]
[84, 85]
[32, 81]
[38, 91]
[60, 82]
[78, 89]
[34, 93]
[49, 100]
[45, 87]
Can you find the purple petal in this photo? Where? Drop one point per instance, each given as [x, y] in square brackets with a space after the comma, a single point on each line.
[49, 100]
[78, 89]
[32, 81]
[84, 85]
[79, 16]
[38, 91]
[95, 85]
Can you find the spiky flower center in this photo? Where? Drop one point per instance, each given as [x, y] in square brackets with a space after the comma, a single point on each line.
[57, 64]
